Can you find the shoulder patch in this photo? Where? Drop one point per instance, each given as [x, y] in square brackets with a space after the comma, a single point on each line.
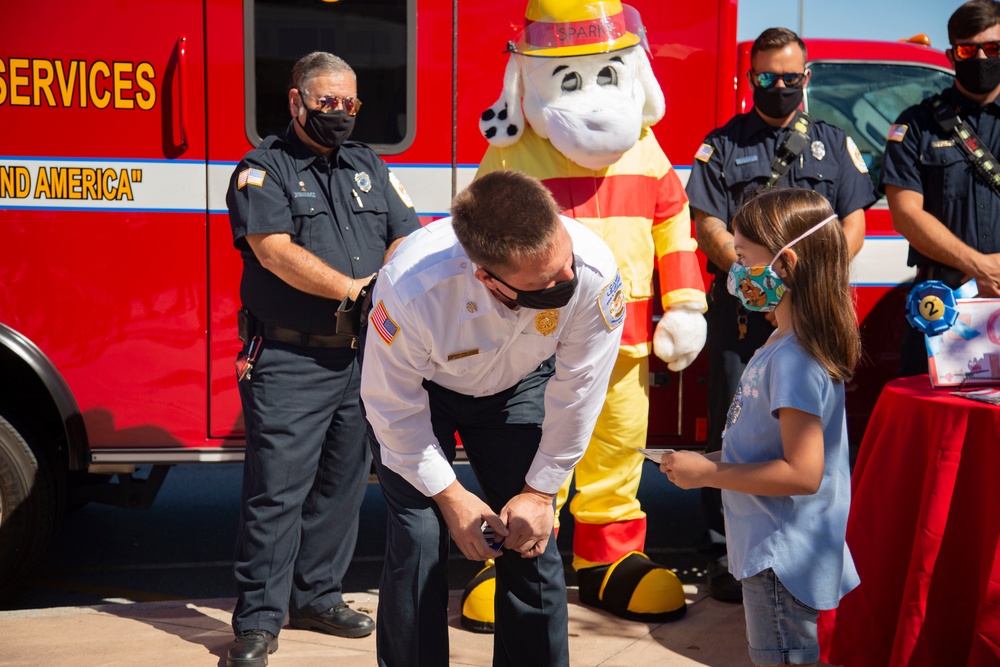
[897, 132]
[250, 177]
[704, 153]
[856, 157]
[400, 190]
[612, 303]
[383, 324]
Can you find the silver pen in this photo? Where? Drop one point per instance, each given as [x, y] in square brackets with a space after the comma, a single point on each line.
[357, 198]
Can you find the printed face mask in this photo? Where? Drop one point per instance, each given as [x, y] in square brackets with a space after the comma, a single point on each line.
[758, 287]
[328, 129]
[556, 296]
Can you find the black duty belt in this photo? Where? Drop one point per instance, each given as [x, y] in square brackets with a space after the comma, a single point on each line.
[949, 276]
[292, 337]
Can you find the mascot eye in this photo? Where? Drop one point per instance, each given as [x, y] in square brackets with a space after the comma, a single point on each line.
[607, 77]
[571, 82]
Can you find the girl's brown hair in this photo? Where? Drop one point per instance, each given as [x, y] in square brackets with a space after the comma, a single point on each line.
[822, 302]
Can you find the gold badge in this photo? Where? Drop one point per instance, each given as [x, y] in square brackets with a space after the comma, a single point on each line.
[471, 306]
[547, 321]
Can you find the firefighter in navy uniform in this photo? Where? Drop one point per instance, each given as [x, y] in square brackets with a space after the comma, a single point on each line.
[734, 161]
[314, 217]
[946, 210]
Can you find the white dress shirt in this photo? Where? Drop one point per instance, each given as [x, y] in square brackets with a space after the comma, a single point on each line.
[434, 320]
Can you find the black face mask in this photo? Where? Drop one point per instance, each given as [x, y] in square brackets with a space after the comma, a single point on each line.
[556, 296]
[328, 129]
[777, 102]
[978, 75]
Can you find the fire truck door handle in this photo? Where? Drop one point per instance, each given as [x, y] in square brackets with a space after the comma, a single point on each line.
[182, 88]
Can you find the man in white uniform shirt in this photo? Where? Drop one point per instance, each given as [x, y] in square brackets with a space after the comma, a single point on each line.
[502, 324]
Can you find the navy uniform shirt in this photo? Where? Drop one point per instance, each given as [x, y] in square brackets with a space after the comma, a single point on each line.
[920, 156]
[346, 211]
[737, 157]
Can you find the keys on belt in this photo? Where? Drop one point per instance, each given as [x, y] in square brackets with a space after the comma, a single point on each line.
[244, 363]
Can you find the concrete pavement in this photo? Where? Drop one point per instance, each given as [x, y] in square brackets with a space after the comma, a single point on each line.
[193, 633]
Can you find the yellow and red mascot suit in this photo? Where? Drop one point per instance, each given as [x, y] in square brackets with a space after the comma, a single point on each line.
[578, 101]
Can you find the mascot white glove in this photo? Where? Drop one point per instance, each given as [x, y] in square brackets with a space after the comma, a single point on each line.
[680, 335]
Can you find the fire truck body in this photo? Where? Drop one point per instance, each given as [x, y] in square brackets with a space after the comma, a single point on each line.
[123, 123]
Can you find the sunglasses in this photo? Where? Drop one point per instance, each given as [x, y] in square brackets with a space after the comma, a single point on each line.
[966, 51]
[328, 103]
[770, 79]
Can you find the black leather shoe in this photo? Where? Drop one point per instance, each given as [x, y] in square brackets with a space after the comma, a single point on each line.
[341, 621]
[251, 648]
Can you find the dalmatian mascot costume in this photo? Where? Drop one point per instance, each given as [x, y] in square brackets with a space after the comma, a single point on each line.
[578, 100]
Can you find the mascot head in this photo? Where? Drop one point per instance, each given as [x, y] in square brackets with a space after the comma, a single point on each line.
[579, 74]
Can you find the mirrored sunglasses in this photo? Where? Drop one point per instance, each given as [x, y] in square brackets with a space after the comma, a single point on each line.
[967, 51]
[328, 103]
[770, 79]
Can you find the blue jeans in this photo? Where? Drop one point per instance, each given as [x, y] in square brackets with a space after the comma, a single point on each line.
[780, 629]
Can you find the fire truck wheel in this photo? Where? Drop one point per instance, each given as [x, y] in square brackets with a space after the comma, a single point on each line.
[27, 507]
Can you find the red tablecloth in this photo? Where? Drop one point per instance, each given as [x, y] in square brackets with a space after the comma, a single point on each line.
[924, 529]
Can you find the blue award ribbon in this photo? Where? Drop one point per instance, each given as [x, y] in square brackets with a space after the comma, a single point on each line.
[932, 308]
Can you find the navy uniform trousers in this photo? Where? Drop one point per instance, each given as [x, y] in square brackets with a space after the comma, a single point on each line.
[500, 434]
[304, 477]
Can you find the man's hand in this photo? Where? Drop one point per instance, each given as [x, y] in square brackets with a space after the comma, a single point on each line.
[357, 285]
[530, 516]
[464, 512]
[688, 470]
[988, 278]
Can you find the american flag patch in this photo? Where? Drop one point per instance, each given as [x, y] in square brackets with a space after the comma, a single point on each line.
[383, 324]
[704, 153]
[251, 176]
[897, 132]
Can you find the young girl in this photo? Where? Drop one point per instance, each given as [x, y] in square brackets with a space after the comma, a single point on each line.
[783, 466]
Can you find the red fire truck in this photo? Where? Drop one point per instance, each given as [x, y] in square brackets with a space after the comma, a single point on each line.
[123, 121]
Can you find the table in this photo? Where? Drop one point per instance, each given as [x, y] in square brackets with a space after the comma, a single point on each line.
[924, 530]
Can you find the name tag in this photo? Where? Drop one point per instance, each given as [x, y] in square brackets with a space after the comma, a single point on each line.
[463, 355]
[944, 143]
[747, 159]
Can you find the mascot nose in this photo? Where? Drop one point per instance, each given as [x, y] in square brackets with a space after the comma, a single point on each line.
[595, 126]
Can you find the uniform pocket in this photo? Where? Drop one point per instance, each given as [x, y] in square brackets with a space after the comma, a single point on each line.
[746, 174]
[819, 176]
[946, 171]
[461, 362]
[371, 216]
[314, 225]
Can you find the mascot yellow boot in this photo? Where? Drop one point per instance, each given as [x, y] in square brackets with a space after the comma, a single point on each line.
[578, 100]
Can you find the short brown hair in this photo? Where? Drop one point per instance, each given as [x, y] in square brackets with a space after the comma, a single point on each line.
[775, 38]
[504, 217]
[314, 64]
[972, 18]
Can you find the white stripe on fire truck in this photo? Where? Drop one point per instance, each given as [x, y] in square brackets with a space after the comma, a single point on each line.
[193, 186]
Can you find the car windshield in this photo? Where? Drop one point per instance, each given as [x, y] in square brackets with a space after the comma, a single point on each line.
[864, 99]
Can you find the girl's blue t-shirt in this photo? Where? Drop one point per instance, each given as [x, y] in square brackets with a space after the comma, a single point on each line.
[801, 537]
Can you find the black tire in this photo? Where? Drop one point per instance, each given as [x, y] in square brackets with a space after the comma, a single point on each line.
[28, 508]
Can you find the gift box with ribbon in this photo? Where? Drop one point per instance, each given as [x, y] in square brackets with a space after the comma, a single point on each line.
[962, 334]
